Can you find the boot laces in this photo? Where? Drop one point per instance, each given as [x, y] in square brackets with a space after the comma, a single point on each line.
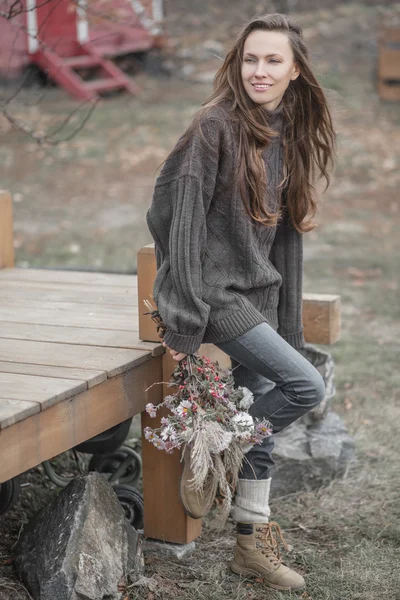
[271, 536]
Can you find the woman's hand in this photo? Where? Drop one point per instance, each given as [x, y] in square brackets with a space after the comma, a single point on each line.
[175, 355]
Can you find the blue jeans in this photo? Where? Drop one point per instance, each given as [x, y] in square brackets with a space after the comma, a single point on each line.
[284, 383]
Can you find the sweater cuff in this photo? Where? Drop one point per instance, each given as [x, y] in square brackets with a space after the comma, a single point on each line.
[295, 339]
[188, 344]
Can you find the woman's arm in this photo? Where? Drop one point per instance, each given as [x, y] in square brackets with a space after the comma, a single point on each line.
[177, 222]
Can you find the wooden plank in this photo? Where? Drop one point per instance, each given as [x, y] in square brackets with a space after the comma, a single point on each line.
[89, 319]
[80, 308]
[388, 92]
[78, 335]
[321, 318]
[33, 388]
[91, 376]
[389, 35]
[69, 355]
[6, 231]
[66, 277]
[71, 422]
[147, 268]
[389, 63]
[13, 411]
[215, 354]
[165, 518]
[15, 290]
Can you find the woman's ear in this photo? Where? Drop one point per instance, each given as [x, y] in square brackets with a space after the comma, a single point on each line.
[295, 73]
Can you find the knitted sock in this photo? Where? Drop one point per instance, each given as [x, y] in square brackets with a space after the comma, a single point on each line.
[252, 501]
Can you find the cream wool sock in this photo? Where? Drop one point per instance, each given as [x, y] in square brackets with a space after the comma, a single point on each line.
[252, 501]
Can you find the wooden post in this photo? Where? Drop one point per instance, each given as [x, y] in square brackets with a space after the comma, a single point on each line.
[164, 517]
[321, 318]
[6, 231]
[146, 274]
[389, 63]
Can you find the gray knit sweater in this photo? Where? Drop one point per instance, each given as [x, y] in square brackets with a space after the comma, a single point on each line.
[219, 273]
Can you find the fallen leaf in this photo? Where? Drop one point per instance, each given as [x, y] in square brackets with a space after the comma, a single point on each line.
[364, 273]
[347, 404]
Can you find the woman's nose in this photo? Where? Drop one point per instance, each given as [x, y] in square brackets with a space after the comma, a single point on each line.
[261, 70]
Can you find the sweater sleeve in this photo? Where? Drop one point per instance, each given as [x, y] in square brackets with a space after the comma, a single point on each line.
[287, 257]
[177, 222]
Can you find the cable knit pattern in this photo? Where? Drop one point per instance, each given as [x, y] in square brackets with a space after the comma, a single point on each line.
[219, 273]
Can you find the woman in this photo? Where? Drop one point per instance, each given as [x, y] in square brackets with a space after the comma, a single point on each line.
[228, 215]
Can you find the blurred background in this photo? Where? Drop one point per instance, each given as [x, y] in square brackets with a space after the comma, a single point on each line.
[82, 175]
[81, 203]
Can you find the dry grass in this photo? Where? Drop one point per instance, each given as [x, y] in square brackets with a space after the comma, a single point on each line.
[10, 589]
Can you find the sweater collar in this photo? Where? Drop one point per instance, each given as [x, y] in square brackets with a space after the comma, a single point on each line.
[276, 113]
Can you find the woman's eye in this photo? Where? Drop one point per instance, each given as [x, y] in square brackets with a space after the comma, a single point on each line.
[249, 60]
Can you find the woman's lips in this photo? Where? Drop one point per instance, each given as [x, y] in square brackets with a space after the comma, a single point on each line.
[261, 87]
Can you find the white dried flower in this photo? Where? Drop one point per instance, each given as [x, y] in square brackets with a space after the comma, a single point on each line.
[186, 434]
[247, 400]
[244, 424]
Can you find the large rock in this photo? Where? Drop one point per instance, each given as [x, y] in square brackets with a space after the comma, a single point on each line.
[323, 362]
[81, 546]
[310, 455]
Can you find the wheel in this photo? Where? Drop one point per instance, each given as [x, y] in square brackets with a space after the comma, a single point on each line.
[108, 441]
[123, 466]
[132, 503]
[9, 494]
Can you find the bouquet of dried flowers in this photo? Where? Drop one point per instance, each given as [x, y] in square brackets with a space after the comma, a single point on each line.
[208, 415]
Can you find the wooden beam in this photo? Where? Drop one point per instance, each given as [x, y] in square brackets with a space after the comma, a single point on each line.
[321, 318]
[389, 63]
[6, 231]
[146, 274]
[321, 312]
[48, 433]
[164, 518]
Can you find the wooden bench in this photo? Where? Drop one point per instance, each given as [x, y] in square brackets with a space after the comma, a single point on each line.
[77, 354]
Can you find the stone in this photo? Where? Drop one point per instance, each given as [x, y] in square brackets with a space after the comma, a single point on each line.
[168, 549]
[81, 546]
[324, 364]
[309, 456]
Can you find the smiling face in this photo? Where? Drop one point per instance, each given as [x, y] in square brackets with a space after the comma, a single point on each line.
[268, 67]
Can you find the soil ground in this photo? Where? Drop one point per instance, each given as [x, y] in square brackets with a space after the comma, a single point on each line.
[82, 204]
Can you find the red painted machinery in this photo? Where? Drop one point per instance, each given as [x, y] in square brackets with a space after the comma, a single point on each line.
[67, 37]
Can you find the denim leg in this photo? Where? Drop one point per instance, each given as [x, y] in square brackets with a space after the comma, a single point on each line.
[258, 462]
[285, 387]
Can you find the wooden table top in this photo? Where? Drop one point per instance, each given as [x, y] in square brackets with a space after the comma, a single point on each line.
[62, 332]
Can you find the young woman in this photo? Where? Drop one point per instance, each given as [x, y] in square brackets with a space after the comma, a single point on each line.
[228, 215]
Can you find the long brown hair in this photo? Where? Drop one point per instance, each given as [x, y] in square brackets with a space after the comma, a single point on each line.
[308, 135]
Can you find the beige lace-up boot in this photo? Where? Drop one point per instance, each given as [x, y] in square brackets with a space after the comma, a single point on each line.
[196, 504]
[257, 553]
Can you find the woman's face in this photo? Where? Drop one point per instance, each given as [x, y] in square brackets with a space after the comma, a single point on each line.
[268, 67]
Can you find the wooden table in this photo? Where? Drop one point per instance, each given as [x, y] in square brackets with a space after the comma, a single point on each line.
[72, 366]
